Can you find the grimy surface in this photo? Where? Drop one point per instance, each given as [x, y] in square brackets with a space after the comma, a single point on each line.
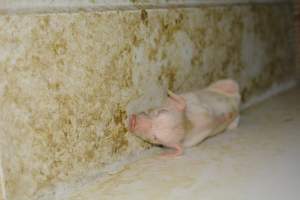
[259, 160]
[68, 81]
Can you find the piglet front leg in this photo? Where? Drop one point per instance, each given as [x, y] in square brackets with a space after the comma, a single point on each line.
[172, 154]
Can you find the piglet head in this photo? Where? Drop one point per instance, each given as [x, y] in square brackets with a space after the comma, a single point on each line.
[159, 125]
[139, 123]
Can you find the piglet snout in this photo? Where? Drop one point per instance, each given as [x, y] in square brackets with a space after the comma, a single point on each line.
[132, 122]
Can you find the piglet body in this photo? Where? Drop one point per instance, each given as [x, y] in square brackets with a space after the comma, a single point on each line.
[187, 119]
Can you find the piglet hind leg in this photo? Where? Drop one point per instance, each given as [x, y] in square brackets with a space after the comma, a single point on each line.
[234, 124]
[172, 154]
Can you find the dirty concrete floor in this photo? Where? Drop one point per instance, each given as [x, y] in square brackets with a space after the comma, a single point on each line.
[259, 160]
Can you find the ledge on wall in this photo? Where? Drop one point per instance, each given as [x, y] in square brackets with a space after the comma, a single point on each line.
[48, 6]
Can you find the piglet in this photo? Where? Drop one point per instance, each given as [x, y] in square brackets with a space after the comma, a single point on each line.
[187, 119]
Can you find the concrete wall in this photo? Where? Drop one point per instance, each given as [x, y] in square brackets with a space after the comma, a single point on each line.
[297, 33]
[46, 6]
[69, 80]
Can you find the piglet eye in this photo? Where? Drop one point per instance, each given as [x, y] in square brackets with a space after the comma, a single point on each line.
[162, 111]
[143, 113]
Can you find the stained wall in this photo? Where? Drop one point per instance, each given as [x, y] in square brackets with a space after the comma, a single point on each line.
[69, 80]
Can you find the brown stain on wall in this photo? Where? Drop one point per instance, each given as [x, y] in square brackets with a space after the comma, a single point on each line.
[226, 43]
[170, 25]
[144, 16]
[118, 135]
[168, 74]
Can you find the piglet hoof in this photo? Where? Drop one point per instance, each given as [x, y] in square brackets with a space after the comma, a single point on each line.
[172, 154]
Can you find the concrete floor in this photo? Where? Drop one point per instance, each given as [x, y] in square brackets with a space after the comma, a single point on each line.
[259, 160]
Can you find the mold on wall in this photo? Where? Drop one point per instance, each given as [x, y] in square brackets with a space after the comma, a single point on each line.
[68, 81]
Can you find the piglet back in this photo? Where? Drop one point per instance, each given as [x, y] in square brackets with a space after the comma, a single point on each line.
[228, 87]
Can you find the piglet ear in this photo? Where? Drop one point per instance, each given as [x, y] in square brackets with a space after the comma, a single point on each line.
[177, 101]
[227, 86]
